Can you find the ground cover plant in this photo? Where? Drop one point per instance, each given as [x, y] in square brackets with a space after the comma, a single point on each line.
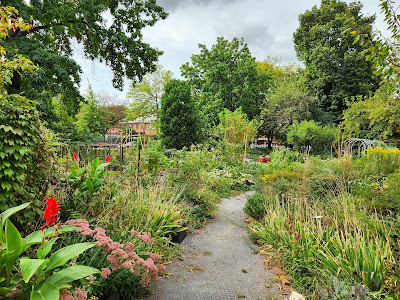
[333, 223]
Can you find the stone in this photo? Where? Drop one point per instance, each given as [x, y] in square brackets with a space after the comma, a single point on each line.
[296, 296]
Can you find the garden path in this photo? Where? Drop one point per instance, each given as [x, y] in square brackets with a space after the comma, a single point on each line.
[219, 263]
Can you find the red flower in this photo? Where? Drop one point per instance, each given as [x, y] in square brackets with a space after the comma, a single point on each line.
[99, 144]
[107, 158]
[74, 156]
[50, 212]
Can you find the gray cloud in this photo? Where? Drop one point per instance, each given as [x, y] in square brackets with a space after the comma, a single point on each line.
[172, 5]
[267, 27]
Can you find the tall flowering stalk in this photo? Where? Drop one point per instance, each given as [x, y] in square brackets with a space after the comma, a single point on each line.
[50, 212]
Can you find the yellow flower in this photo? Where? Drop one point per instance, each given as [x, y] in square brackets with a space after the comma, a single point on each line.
[163, 198]
[151, 195]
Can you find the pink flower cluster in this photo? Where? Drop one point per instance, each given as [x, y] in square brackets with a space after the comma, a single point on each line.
[79, 295]
[122, 256]
[145, 237]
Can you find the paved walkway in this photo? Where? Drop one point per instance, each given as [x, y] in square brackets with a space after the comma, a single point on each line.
[219, 263]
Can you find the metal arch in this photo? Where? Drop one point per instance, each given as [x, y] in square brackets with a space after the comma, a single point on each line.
[361, 145]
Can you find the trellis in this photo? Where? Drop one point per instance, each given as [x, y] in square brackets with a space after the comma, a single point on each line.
[361, 145]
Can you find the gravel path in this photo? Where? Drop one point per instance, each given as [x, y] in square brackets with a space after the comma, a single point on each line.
[219, 263]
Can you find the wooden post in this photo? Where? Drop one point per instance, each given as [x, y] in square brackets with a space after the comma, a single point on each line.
[245, 148]
[121, 157]
[138, 164]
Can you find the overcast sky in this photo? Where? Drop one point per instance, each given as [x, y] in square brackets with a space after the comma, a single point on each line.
[267, 27]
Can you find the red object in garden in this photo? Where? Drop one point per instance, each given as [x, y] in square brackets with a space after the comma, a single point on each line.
[261, 159]
[74, 156]
[107, 158]
[99, 144]
[267, 159]
[50, 212]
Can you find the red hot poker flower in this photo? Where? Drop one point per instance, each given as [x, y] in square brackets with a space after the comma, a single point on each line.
[50, 212]
[74, 156]
[107, 158]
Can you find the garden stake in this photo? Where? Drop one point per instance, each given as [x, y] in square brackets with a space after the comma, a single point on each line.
[318, 218]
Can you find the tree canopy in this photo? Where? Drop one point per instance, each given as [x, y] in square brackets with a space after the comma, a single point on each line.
[146, 95]
[336, 68]
[286, 103]
[109, 31]
[382, 51]
[224, 76]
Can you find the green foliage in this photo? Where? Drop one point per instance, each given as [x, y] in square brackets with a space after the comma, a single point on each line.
[336, 68]
[57, 76]
[224, 77]
[382, 51]
[10, 22]
[179, 123]
[235, 128]
[273, 71]
[92, 119]
[310, 133]
[85, 182]
[109, 31]
[255, 206]
[22, 156]
[374, 117]
[146, 95]
[286, 103]
[22, 276]
[350, 242]
[379, 162]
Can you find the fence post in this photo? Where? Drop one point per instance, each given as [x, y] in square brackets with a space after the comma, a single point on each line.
[121, 156]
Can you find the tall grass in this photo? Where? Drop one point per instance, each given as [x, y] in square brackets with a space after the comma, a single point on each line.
[347, 240]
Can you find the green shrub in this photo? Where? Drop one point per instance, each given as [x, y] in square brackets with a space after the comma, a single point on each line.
[255, 206]
[388, 198]
[310, 133]
[22, 157]
[179, 124]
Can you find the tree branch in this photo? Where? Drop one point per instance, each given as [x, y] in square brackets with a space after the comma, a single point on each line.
[19, 33]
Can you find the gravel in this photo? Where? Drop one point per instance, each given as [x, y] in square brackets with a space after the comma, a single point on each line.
[219, 263]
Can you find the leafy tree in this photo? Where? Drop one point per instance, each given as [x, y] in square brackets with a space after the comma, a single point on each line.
[58, 76]
[179, 124]
[146, 95]
[273, 71]
[109, 31]
[286, 103]
[336, 68]
[310, 133]
[115, 113]
[10, 21]
[374, 117]
[224, 77]
[92, 118]
[234, 126]
[383, 52]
